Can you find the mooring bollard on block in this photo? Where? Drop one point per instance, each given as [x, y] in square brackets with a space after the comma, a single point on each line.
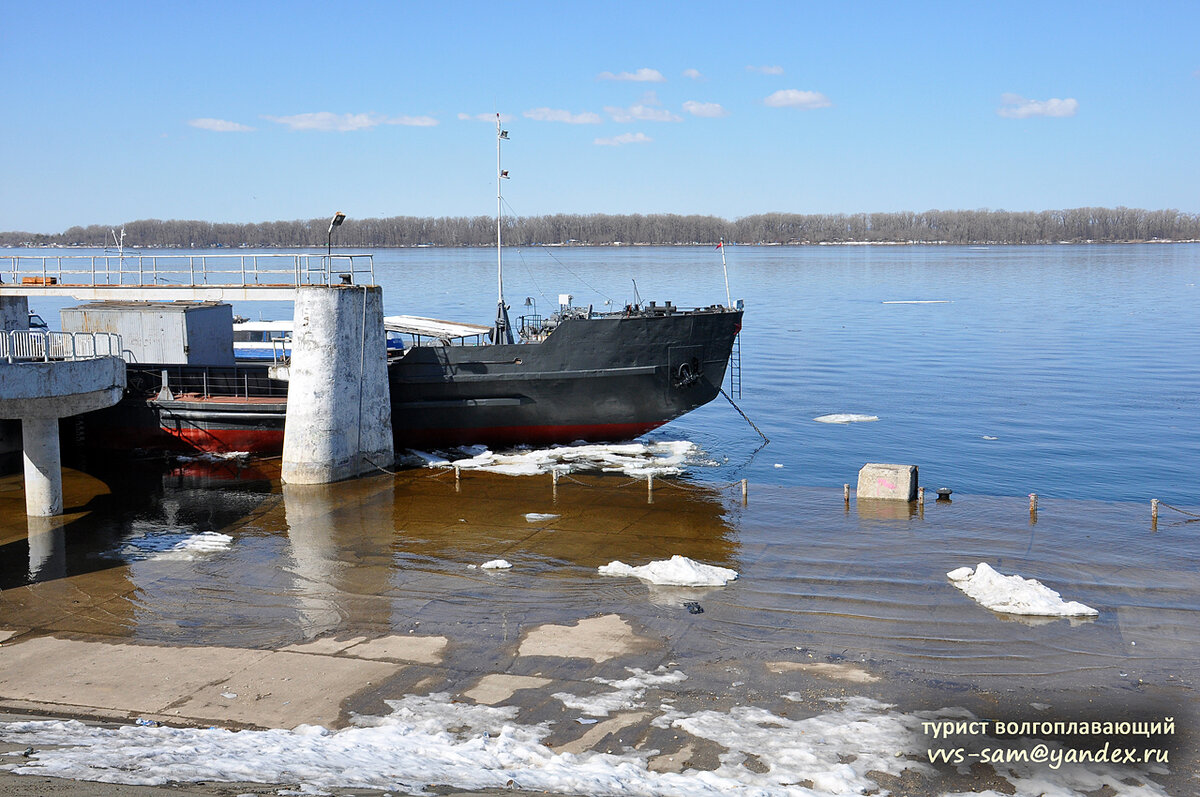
[895, 482]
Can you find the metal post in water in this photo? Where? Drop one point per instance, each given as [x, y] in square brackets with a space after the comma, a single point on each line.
[846, 493]
[745, 492]
[554, 484]
[649, 488]
[1153, 513]
[1033, 503]
[921, 496]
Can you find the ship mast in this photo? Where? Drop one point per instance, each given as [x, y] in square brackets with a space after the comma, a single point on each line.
[501, 333]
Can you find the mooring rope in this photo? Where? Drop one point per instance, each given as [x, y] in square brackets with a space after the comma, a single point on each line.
[1180, 511]
[744, 415]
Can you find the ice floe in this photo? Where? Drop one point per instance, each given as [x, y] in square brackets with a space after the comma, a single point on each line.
[538, 517]
[173, 546]
[496, 564]
[1014, 594]
[845, 417]
[678, 571]
[662, 458]
[436, 738]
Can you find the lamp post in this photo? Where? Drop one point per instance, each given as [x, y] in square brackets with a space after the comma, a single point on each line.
[336, 221]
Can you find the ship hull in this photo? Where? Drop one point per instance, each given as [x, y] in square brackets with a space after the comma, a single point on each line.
[605, 378]
[595, 379]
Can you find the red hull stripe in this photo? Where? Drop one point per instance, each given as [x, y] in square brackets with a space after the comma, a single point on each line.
[263, 441]
[223, 441]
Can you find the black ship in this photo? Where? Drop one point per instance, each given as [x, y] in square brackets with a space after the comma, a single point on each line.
[576, 375]
[579, 376]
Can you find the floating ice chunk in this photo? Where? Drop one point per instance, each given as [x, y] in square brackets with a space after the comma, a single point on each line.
[845, 417]
[989, 437]
[1013, 594]
[661, 458]
[496, 564]
[918, 301]
[214, 456]
[174, 546]
[678, 571]
[537, 517]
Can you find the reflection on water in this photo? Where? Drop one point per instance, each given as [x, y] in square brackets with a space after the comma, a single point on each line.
[392, 554]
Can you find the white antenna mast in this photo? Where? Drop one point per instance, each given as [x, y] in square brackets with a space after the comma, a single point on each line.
[501, 333]
[728, 301]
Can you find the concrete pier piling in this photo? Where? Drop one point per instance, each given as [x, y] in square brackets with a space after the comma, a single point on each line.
[47, 376]
[339, 420]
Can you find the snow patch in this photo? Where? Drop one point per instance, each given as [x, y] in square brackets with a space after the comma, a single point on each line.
[678, 571]
[627, 693]
[1014, 594]
[436, 739]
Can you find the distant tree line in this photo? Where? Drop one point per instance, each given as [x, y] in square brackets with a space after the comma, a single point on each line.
[931, 226]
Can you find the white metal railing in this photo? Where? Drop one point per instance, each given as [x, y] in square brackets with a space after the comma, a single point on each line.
[27, 345]
[277, 269]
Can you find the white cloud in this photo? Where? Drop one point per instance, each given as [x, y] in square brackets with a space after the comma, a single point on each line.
[413, 121]
[694, 74]
[643, 75]
[219, 126]
[1014, 106]
[555, 115]
[710, 110]
[485, 117]
[648, 109]
[346, 122]
[793, 98]
[766, 70]
[624, 138]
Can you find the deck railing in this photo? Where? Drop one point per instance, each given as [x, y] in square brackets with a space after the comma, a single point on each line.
[26, 345]
[187, 270]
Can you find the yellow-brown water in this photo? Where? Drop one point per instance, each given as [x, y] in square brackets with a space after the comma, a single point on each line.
[859, 581]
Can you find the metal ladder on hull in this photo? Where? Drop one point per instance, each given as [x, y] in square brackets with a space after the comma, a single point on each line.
[735, 367]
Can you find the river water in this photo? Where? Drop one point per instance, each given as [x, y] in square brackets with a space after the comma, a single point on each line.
[1069, 371]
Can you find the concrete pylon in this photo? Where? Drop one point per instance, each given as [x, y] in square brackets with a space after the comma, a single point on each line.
[339, 412]
[39, 393]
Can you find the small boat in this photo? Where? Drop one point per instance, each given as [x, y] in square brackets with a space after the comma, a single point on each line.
[262, 340]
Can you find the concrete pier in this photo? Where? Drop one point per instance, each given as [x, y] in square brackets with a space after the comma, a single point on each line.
[39, 392]
[339, 418]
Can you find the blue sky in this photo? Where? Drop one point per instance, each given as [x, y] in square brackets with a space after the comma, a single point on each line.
[256, 111]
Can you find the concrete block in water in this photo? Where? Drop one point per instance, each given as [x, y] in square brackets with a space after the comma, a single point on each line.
[897, 482]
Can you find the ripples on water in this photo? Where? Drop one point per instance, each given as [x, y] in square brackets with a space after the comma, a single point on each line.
[1066, 371]
[1069, 371]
